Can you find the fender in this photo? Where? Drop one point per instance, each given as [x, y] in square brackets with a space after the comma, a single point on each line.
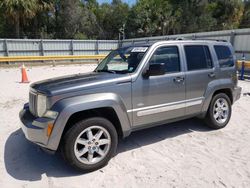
[214, 86]
[69, 106]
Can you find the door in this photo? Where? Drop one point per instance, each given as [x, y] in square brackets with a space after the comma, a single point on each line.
[200, 71]
[159, 98]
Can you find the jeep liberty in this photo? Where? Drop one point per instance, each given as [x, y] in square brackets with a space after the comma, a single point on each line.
[134, 87]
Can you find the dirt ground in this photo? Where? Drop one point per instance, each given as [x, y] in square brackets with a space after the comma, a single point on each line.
[183, 154]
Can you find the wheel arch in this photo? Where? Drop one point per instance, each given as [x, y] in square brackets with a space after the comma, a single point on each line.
[226, 91]
[107, 105]
[211, 92]
[104, 112]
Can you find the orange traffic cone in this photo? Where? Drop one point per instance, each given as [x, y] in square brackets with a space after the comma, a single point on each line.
[24, 75]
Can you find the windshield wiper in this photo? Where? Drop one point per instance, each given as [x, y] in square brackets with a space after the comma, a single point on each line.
[109, 71]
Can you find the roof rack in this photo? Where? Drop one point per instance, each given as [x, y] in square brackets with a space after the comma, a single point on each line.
[176, 38]
[218, 40]
[193, 38]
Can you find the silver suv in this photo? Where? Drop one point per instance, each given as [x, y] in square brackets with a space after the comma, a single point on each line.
[133, 88]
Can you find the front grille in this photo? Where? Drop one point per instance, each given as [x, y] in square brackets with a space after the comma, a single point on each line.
[33, 103]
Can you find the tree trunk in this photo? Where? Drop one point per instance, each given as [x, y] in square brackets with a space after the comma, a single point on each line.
[17, 26]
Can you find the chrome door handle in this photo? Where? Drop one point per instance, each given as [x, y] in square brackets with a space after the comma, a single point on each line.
[179, 79]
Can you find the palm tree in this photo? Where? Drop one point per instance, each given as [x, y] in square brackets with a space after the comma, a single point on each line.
[21, 11]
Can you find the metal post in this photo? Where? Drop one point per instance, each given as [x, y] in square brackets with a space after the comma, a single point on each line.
[41, 48]
[97, 47]
[72, 47]
[232, 38]
[242, 67]
[6, 48]
[97, 50]
[119, 43]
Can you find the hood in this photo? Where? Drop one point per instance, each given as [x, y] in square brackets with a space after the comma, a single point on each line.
[78, 82]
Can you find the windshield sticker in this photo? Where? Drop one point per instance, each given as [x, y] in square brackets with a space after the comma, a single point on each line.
[140, 49]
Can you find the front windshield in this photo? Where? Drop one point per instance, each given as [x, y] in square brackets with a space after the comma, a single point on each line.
[123, 60]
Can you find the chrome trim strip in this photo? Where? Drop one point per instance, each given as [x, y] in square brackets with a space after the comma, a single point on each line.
[193, 103]
[161, 109]
[166, 107]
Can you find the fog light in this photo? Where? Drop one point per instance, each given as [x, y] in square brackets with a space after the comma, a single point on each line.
[49, 129]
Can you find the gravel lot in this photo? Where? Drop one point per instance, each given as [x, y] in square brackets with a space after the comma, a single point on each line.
[183, 154]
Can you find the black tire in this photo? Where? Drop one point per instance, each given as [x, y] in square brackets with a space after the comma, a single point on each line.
[68, 143]
[210, 119]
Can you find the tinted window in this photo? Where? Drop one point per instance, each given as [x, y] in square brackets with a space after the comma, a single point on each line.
[225, 56]
[169, 55]
[198, 57]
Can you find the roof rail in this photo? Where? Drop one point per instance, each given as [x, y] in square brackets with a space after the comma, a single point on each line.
[184, 38]
[176, 38]
[218, 40]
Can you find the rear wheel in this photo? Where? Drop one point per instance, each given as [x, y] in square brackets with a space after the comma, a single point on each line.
[219, 112]
[90, 144]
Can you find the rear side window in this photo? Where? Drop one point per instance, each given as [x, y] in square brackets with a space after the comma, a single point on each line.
[225, 56]
[198, 57]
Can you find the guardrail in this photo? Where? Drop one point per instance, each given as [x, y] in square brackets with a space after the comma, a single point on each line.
[244, 69]
[247, 65]
[75, 57]
[50, 58]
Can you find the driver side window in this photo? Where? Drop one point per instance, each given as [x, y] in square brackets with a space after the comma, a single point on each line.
[169, 56]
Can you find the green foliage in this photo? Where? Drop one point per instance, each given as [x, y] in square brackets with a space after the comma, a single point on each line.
[111, 18]
[246, 15]
[20, 12]
[87, 19]
[153, 17]
[228, 13]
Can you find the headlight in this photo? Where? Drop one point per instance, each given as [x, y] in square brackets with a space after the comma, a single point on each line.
[51, 114]
[41, 105]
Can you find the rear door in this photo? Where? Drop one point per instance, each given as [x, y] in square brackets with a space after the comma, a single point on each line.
[200, 71]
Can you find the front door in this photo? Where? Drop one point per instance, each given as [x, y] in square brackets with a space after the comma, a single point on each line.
[159, 98]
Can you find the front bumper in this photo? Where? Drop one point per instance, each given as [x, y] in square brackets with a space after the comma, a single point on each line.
[236, 93]
[35, 129]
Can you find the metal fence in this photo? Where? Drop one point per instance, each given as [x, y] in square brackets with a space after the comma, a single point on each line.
[240, 39]
[29, 47]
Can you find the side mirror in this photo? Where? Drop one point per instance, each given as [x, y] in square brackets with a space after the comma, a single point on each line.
[155, 70]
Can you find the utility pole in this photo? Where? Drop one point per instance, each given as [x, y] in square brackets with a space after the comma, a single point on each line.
[122, 31]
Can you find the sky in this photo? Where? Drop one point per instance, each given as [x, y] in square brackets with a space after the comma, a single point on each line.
[130, 2]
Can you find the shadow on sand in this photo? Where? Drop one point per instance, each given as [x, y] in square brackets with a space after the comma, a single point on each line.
[26, 161]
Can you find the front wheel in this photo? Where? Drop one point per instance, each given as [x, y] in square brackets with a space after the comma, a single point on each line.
[219, 112]
[90, 144]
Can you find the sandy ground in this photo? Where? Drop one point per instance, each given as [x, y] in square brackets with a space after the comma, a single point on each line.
[183, 154]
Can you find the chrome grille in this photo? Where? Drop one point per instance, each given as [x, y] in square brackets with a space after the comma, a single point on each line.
[33, 103]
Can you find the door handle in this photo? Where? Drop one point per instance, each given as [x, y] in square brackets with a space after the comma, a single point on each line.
[211, 74]
[179, 79]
